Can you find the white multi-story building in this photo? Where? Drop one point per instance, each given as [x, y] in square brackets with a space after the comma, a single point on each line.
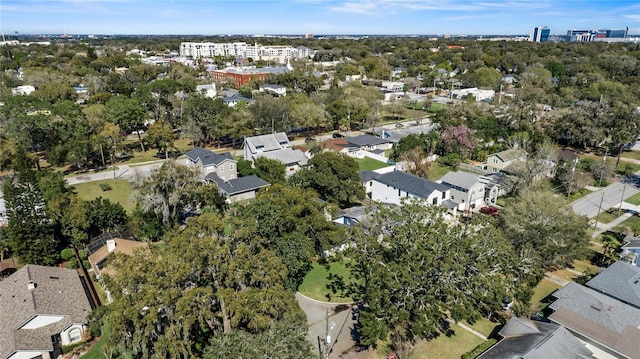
[241, 49]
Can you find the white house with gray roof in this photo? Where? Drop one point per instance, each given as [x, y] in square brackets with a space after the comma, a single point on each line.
[275, 146]
[41, 310]
[470, 191]
[368, 142]
[392, 187]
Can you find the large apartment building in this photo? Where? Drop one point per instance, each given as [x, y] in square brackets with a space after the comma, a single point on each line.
[242, 49]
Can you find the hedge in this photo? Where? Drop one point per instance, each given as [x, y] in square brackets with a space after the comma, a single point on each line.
[479, 349]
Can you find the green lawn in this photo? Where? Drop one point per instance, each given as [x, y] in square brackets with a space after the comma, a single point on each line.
[95, 352]
[631, 154]
[635, 199]
[631, 223]
[436, 171]
[541, 291]
[370, 164]
[444, 347]
[484, 326]
[120, 192]
[606, 217]
[583, 265]
[315, 282]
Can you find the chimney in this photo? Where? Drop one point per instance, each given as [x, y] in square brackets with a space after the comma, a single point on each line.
[31, 285]
[111, 245]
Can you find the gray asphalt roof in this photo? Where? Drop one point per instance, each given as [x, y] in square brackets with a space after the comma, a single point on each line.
[207, 157]
[270, 142]
[367, 140]
[596, 307]
[526, 339]
[632, 242]
[511, 154]
[287, 156]
[412, 184]
[238, 185]
[368, 175]
[236, 98]
[621, 281]
[58, 291]
[461, 179]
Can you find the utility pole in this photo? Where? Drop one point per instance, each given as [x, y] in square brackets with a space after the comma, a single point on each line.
[595, 225]
[604, 163]
[500, 96]
[622, 198]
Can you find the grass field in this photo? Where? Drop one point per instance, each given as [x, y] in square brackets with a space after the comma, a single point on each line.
[436, 171]
[120, 192]
[443, 347]
[631, 223]
[631, 154]
[370, 164]
[315, 282]
[541, 291]
[635, 199]
[606, 217]
[484, 326]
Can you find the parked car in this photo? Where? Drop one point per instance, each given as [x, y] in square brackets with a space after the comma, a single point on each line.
[490, 211]
[309, 140]
[137, 132]
[398, 125]
[337, 135]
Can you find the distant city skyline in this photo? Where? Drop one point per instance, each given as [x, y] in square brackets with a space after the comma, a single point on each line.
[288, 17]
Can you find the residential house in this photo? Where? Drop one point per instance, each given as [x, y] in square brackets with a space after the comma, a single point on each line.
[393, 186]
[631, 251]
[223, 164]
[470, 191]
[341, 145]
[607, 326]
[276, 90]
[23, 90]
[368, 142]
[498, 162]
[620, 281]
[398, 72]
[275, 146]
[208, 90]
[222, 169]
[526, 339]
[235, 99]
[41, 310]
[478, 94]
[239, 189]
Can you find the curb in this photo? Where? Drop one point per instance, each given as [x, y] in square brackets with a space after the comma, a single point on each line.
[321, 302]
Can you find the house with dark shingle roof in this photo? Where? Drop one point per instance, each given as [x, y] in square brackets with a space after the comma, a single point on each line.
[620, 281]
[393, 186]
[222, 164]
[368, 142]
[238, 189]
[41, 310]
[604, 323]
[527, 339]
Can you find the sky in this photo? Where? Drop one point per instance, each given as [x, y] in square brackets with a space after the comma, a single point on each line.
[373, 17]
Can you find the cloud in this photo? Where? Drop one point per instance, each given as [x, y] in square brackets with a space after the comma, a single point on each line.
[379, 7]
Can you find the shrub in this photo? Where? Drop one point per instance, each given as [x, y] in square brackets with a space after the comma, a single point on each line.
[479, 349]
[451, 160]
[66, 253]
[83, 253]
[105, 187]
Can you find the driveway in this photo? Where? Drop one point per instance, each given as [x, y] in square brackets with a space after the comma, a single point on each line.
[610, 196]
[127, 172]
[340, 320]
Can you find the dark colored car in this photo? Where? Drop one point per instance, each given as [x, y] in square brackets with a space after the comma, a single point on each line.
[398, 125]
[491, 211]
[337, 135]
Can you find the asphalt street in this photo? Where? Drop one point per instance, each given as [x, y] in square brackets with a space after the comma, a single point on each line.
[608, 197]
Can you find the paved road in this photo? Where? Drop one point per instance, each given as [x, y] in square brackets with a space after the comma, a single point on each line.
[343, 330]
[127, 172]
[611, 196]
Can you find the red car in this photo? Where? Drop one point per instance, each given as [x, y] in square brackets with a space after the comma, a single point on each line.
[491, 211]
